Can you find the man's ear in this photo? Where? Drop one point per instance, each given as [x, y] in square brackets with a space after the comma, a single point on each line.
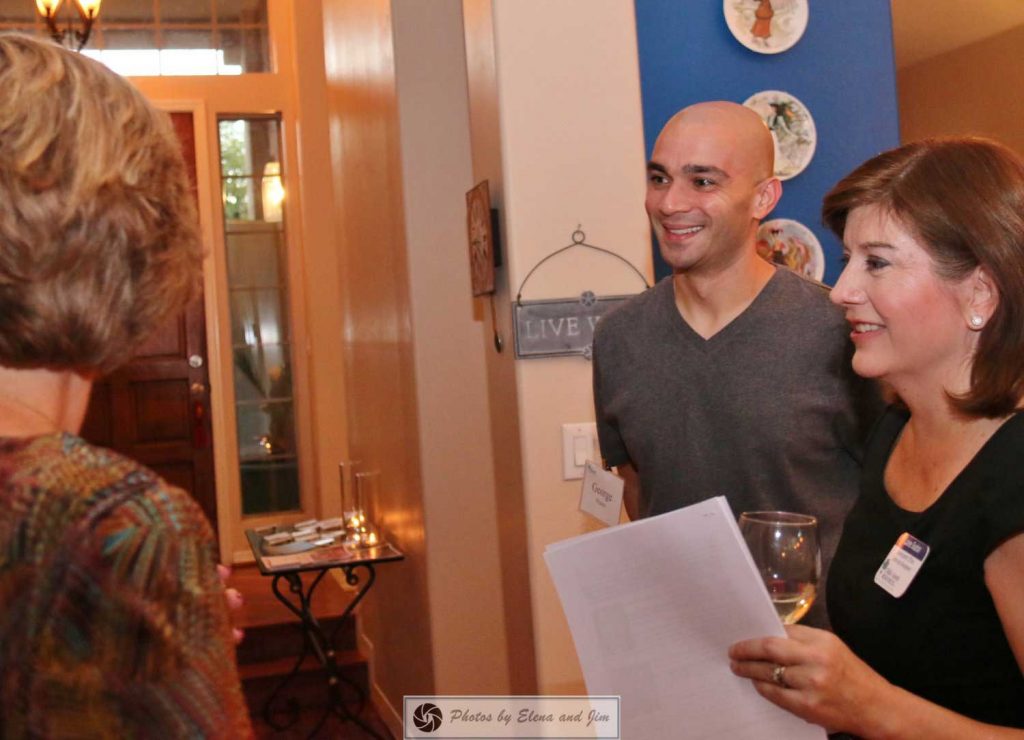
[767, 196]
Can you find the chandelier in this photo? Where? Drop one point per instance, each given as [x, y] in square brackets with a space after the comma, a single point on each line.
[69, 36]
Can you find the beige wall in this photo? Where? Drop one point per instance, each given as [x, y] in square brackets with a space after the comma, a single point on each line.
[975, 89]
[459, 495]
[504, 440]
[568, 143]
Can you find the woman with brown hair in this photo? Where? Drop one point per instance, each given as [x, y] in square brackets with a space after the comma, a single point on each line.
[113, 621]
[926, 591]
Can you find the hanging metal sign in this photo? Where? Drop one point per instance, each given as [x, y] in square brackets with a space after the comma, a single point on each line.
[561, 326]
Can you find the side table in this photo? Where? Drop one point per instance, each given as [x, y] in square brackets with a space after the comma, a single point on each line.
[298, 598]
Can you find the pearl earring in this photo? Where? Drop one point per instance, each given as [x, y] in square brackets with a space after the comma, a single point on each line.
[977, 321]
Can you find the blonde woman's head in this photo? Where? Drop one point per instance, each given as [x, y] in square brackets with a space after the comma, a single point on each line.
[98, 235]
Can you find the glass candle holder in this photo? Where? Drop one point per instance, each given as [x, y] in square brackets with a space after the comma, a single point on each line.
[363, 538]
[367, 489]
[356, 521]
[346, 476]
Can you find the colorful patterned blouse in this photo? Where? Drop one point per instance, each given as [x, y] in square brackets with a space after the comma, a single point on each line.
[113, 622]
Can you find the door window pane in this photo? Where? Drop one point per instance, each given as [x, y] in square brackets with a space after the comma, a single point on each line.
[128, 51]
[188, 52]
[186, 11]
[127, 11]
[242, 50]
[242, 11]
[253, 259]
[256, 243]
[12, 11]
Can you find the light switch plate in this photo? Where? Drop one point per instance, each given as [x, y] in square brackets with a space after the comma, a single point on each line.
[570, 434]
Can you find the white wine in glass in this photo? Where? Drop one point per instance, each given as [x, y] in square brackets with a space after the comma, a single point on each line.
[786, 552]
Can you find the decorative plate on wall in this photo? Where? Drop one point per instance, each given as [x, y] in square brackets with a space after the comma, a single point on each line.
[766, 26]
[792, 128]
[791, 244]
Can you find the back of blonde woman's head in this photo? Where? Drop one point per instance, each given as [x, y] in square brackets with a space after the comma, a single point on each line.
[98, 235]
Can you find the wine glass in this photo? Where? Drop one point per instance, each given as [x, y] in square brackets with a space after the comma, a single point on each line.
[785, 549]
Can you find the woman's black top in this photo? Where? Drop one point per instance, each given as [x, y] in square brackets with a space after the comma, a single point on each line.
[942, 639]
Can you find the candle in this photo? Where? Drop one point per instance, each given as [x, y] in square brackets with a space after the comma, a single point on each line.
[357, 522]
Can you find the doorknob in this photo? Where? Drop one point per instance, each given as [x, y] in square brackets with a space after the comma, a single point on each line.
[198, 388]
[195, 361]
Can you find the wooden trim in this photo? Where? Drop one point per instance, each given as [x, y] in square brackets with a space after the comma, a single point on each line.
[215, 302]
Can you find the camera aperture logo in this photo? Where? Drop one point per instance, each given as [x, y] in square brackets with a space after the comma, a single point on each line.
[477, 717]
[427, 717]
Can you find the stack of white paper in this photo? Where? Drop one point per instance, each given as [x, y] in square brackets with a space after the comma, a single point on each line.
[653, 607]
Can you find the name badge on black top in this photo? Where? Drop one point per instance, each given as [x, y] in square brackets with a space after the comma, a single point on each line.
[901, 565]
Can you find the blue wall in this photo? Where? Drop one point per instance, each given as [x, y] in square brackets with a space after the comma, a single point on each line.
[842, 69]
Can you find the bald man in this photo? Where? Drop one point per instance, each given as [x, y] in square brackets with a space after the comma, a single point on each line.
[731, 376]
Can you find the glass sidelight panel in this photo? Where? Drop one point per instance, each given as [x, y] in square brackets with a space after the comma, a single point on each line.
[255, 238]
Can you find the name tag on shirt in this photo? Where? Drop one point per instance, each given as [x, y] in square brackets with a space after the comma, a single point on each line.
[602, 494]
[901, 565]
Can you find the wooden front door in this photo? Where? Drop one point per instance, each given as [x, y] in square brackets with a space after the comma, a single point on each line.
[156, 408]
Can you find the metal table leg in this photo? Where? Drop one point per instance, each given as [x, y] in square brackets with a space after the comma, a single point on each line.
[299, 602]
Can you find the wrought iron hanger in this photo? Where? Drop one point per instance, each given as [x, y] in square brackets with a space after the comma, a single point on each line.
[578, 240]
